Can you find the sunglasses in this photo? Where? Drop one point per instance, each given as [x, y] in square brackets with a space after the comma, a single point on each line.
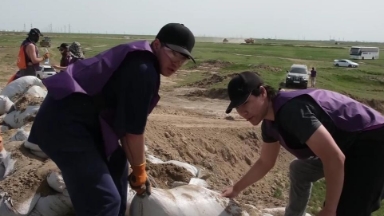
[176, 57]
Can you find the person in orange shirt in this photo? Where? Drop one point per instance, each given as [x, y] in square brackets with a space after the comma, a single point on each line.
[28, 59]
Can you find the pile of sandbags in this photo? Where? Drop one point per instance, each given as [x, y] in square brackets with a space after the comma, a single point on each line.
[20, 100]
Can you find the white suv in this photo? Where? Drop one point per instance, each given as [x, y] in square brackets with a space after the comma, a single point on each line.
[46, 71]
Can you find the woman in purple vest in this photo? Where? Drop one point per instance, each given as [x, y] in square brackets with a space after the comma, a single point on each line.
[332, 136]
[99, 101]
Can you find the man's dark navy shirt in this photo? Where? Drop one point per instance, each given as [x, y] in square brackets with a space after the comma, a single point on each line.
[130, 91]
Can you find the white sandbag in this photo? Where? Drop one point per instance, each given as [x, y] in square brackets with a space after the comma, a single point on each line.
[4, 128]
[5, 104]
[3, 154]
[7, 164]
[10, 208]
[36, 91]
[20, 86]
[56, 182]
[280, 211]
[177, 184]
[17, 119]
[20, 135]
[153, 159]
[198, 182]
[53, 205]
[192, 169]
[35, 149]
[187, 200]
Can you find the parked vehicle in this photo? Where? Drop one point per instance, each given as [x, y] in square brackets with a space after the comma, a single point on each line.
[297, 75]
[45, 72]
[357, 52]
[345, 63]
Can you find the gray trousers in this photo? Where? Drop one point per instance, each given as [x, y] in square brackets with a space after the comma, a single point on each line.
[302, 174]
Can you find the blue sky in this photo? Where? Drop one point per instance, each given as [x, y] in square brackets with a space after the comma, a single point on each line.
[294, 19]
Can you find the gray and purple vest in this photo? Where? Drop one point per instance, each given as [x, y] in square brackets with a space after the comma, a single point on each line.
[89, 76]
[347, 115]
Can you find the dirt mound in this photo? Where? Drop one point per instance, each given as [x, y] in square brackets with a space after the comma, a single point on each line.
[223, 149]
[27, 100]
[265, 68]
[29, 175]
[216, 63]
[166, 174]
[212, 65]
[210, 93]
[208, 81]
[213, 79]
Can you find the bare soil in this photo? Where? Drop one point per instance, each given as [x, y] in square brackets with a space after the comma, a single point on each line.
[29, 175]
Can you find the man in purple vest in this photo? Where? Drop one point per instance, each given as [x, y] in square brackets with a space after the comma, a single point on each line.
[97, 102]
[332, 136]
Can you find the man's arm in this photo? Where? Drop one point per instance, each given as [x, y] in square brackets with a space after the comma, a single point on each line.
[136, 91]
[299, 119]
[323, 145]
[267, 160]
[268, 156]
[31, 52]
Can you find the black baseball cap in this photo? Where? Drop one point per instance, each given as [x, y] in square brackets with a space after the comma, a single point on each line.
[63, 45]
[240, 88]
[178, 38]
[35, 31]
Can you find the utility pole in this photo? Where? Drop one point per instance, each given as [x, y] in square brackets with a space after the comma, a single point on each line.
[69, 28]
[25, 28]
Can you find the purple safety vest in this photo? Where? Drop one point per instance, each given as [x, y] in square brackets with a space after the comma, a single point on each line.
[89, 76]
[347, 114]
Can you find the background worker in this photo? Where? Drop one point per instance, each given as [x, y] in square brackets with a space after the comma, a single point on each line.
[28, 60]
[76, 52]
[65, 57]
[313, 77]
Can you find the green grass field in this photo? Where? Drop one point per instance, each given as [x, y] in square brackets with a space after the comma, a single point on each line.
[365, 82]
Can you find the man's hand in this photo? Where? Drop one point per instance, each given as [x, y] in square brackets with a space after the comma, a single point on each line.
[229, 192]
[138, 180]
